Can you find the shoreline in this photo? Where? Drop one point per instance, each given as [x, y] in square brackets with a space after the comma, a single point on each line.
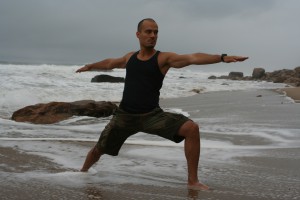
[249, 177]
[292, 92]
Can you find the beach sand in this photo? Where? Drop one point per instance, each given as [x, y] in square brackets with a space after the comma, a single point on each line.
[293, 92]
[272, 175]
[249, 173]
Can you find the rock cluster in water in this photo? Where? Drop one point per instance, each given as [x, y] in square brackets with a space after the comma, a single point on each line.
[288, 76]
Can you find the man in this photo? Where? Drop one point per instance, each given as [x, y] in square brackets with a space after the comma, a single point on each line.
[139, 109]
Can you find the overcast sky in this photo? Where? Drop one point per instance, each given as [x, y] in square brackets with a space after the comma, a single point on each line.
[85, 31]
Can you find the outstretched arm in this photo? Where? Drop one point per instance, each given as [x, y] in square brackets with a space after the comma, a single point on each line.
[179, 61]
[106, 64]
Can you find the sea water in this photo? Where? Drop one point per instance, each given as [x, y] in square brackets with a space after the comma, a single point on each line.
[23, 85]
[237, 122]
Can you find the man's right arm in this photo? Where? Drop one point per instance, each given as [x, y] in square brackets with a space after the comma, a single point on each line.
[106, 64]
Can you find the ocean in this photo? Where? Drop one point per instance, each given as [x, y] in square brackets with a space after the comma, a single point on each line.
[237, 118]
[23, 85]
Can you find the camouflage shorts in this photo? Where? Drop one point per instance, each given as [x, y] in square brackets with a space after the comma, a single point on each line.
[123, 125]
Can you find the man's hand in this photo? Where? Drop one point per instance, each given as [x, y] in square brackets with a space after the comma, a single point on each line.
[229, 59]
[84, 69]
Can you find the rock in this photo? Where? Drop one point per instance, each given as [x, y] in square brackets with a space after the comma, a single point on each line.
[235, 75]
[280, 76]
[294, 81]
[278, 79]
[223, 77]
[291, 77]
[107, 78]
[57, 111]
[247, 78]
[297, 69]
[258, 73]
[197, 90]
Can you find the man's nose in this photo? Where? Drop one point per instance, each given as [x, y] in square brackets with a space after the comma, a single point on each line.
[152, 34]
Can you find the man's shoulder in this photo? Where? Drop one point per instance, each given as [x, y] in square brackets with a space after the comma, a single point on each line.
[166, 53]
[129, 54]
[164, 61]
[164, 56]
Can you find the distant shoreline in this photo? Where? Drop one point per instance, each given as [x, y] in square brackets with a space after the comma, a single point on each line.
[292, 92]
[37, 63]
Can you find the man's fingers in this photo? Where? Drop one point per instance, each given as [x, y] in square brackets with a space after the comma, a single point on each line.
[80, 70]
[243, 58]
[236, 59]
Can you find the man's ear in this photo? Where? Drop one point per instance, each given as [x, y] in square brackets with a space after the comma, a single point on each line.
[137, 34]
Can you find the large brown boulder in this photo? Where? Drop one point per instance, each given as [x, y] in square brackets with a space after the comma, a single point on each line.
[258, 73]
[235, 75]
[107, 78]
[57, 111]
[285, 76]
[297, 70]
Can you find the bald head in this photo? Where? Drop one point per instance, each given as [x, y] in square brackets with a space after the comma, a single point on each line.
[140, 24]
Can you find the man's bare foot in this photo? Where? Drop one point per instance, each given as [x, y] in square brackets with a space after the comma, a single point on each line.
[198, 186]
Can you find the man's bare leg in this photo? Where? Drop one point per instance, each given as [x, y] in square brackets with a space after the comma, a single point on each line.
[190, 131]
[92, 157]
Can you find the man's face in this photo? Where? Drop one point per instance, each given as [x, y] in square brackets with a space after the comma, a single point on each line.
[148, 34]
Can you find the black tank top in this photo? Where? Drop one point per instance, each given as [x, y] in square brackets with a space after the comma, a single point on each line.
[142, 85]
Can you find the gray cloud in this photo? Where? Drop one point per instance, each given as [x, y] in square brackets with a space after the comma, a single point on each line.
[78, 31]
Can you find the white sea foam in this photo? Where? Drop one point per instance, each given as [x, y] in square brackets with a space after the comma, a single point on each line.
[178, 110]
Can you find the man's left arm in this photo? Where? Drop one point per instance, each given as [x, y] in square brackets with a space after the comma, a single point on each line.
[179, 61]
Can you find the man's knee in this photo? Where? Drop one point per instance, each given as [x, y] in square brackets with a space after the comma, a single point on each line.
[194, 127]
[189, 128]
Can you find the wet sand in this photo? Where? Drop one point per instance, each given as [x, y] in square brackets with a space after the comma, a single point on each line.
[273, 174]
[292, 92]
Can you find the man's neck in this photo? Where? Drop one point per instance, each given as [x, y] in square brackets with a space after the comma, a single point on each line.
[145, 54]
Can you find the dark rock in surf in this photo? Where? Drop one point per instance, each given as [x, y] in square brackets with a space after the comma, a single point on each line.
[236, 75]
[57, 111]
[258, 73]
[107, 78]
[212, 77]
